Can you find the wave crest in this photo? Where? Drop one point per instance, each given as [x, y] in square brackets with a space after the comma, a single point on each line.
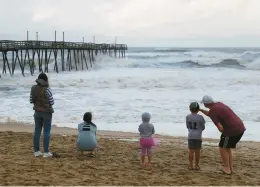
[226, 63]
[231, 63]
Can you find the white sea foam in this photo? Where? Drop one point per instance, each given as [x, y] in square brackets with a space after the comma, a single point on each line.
[117, 94]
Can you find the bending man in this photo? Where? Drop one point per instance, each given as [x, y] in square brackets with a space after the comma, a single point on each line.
[229, 124]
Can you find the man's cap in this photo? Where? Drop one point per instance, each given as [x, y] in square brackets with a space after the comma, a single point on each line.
[207, 100]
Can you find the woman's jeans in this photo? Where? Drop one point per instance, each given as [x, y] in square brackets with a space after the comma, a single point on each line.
[42, 119]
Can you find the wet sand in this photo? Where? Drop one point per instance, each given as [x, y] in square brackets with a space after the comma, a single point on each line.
[118, 162]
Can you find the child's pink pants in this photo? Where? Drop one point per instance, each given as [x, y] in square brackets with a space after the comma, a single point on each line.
[146, 146]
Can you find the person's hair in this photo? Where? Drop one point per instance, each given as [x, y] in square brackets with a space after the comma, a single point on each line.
[43, 76]
[87, 117]
[195, 110]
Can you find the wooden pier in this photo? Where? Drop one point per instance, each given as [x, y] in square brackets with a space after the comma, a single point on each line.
[66, 56]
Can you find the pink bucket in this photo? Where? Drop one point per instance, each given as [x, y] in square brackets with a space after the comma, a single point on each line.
[148, 142]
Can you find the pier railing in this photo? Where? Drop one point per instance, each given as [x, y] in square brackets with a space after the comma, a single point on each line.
[9, 45]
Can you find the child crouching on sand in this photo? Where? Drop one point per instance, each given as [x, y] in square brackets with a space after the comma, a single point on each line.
[146, 130]
[87, 132]
[195, 124]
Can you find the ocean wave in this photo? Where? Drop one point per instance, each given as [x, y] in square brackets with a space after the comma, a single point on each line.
[174, 58]
[180, 61]
[173, 50]
[195, 54]
[150, 56]
[251, 53]
[226, 63]
[196, 58]
[199, 50]
[154, 50]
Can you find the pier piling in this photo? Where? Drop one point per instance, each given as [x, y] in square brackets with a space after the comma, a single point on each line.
[34, 55]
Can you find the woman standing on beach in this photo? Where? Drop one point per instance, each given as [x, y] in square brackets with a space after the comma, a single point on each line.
[41, 97]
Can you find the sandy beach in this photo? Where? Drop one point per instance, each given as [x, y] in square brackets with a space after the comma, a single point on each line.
[118, 162]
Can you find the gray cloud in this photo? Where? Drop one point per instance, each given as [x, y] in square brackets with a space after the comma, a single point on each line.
[136, 22]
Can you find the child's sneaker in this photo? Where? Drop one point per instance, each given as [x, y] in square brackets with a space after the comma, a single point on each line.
[38, 153]
[46, 155]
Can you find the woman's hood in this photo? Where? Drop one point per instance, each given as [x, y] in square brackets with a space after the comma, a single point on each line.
[41, 82]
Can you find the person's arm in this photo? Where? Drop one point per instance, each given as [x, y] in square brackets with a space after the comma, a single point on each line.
[96, 133]
[204, 112]
[220, 127]
[31, 96]
[203, 123]
[94, 126]
[49, 93]
[79, 125]
[31, 101]
[187, 123]
[153, 131]
[216, 121]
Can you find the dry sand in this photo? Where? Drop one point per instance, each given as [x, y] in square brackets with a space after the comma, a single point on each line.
[118, 162]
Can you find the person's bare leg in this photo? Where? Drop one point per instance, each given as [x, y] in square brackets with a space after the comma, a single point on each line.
[222, 157]
[191, 154]
[149, 159]
[149, 154]
[230, 159]
[143, 153]
[197, 158]
[142, 159]
[224, 152]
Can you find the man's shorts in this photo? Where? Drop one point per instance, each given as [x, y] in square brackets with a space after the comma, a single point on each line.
[229, 141]
[194, 143]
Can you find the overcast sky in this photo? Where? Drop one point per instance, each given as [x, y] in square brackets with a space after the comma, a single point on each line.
[178, 23]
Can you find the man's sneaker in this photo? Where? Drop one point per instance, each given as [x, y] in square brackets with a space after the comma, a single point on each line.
[38, 153]
[46, 155]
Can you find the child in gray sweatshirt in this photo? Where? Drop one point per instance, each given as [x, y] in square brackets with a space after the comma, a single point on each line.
[195, 124]
[146, 130]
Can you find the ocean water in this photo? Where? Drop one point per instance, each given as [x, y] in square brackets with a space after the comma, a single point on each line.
[162, 81]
